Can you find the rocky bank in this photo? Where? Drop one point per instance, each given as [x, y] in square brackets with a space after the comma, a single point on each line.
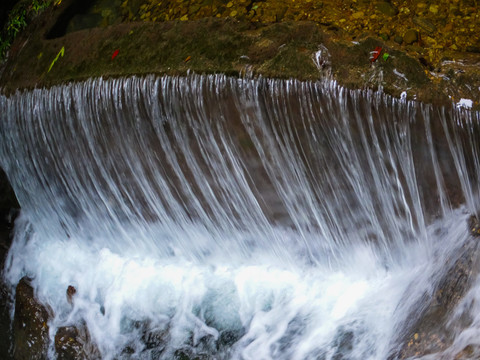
[427, 51]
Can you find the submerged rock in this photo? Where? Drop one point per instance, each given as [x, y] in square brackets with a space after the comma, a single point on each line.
[474, 226]
[30, 324]
[71, 291]
[431, 333]
[186, 354]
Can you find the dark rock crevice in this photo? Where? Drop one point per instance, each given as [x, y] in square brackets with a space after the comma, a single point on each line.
[75, 8]
[8, 209]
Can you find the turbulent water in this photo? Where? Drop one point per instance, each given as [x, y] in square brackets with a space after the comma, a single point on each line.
[238, 218]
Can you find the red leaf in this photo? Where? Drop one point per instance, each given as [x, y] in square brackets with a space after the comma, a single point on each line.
[115, 53]
[375, 54]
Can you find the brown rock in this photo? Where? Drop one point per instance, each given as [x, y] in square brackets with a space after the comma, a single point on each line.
[387, 8]
[410, 36]
[74, 343]
[425, 24]
[71, 291]
[30, 324]
[67, 345]
[474, 226]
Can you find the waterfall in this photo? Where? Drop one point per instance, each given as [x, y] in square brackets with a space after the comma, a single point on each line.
[245, 218]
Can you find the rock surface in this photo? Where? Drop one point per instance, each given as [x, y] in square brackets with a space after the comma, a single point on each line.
[30, 324]
[74, 343]
[8, 210]
[432, 333]
[273, 38]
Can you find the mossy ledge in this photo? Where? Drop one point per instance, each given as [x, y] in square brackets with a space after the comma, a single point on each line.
[232, 47]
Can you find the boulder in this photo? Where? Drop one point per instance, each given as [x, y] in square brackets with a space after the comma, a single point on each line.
[67, 344]
[30, 324]
[74, 343]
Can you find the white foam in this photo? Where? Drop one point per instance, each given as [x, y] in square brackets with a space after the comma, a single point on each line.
[283, 312]
[465, 103]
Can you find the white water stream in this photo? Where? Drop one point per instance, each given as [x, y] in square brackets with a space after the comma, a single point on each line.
[242, 219]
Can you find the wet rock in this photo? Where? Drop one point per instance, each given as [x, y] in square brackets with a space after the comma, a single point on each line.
[8, 212]
[431, 334]
[467, 353]
[67, 345]
[187, 354]
[30, 324]
[155, 338]
[74, 343]
[387, 8]
[6, 337]
[425, 24]
[71, 291]
[474, 225]
[410, 36]
[343, 344]
[229, 337]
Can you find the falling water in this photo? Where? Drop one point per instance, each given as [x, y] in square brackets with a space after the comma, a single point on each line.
[235, 218]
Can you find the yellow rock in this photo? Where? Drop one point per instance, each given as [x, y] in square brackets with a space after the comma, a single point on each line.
[358, 15]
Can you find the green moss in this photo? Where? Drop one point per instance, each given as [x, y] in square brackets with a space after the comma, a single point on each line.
[23, 12]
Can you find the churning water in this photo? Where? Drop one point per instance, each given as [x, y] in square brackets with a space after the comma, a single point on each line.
[239, 219]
